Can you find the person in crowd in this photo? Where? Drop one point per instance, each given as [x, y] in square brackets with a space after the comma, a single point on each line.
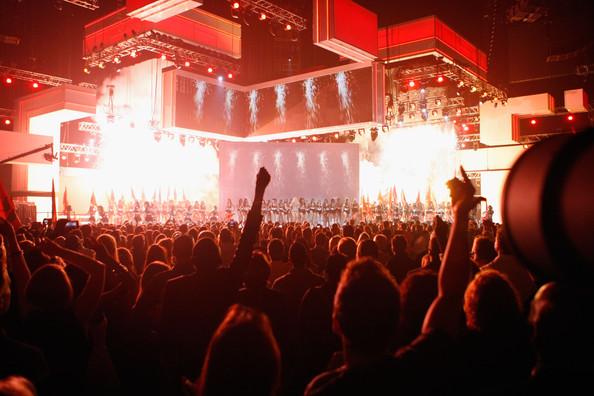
[482, 252]
[278, 263]
[319, 253]
[367, 248]
[417, 291]
[400, 264]
[347, 247]
[243, 357]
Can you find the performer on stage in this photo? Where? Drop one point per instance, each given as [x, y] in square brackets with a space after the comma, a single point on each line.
[355, 210]
[92, 211]
[229, 210]
[346, 210]
[213, 217]
[103, 218]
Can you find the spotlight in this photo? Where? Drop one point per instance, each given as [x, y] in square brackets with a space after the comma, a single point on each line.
[533, 122]
[465, 127]
[460, 84]
[293, 140]
[133, 53]
[423, 91]
[230, 75]
[235, 5]
[187, 63]
[314, 138]
[35, 85]
[87, 70]
[7, 121]
[210, 70]
[570, 117]
[220, 78]
[336, 135]
[64, 157]
[118, 70]
[288, 27]
[473, 89]
[262, 16]
[163, 57]
[412, 84]
[101, 65]
[117, 59]
[8, 80]
[459, 112]
[440, 79]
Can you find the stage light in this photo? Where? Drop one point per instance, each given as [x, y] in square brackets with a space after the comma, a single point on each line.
[446, 118]
[262, 16]
[440, 79]
[336, 135]
[64, 157]
[438, 102]
[473, 89]
[235, 5]
[101, 65]
[7, 121]
[86, 70]
[314, 138]
[117, 59]
[230, 75]
[118, 70]
[459, 112]
[423, 91]
[8, 80]
[288, 27]
[35, 85]
[293, 140]
[460, 84]
[163, 57]
[533, 122]
[210, 70]
[570, 117]
[411, 84]
[187, 63]
[220, 78]
[465, 127]
[133, 53]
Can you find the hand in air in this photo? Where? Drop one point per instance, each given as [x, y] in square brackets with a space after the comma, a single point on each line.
[262, 179]
[462, 194]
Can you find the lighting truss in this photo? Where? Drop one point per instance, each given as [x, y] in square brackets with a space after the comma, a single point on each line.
[88, 4]
[27, 75]
[275, 12]
[87, 126]
[78, 149]
[161, 44]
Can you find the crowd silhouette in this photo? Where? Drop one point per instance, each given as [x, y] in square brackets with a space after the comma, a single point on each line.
[286, 309]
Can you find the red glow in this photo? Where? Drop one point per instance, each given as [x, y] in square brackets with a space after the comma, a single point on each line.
[412, 84]
[533, 122]
[262, 16]
[163, 57]
[35, 85]
[440, 79]
[8, 80]
[570, 118]
[187, 64]
[230, 75]
[7, 122]
[210, 69]
[235, 5]
[288, 27]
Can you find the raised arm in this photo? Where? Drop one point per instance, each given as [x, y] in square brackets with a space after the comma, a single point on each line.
[88, 300]
[17, 266]
[249, 234]
[454, 274]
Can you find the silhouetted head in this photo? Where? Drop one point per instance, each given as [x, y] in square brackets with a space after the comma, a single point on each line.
[382, 242]
[276, 250]
[49, 289]
[334, 268]
[243, 357]
[182, 249]
[366, 307]
[206, 255]
[491, 304]
[417, 292]
[347, 247]
[399, 244]
[483, 251]
[156, 253]
[367, 248]
[298, 255]
[258, 271]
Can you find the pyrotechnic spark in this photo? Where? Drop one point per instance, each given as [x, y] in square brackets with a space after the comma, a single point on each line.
[278, 156]
[201, 88]
[281, 94]
[344, 157]
[311, 104]
[344, 93]
[254, 99]
[229, 100]
[412, 159]
[300, 162]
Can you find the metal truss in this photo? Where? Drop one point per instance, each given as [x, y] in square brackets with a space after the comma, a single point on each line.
[88, 4]
[275, 12]
[87, 126]
[78, 149]
[27, 75]
[530, 139]
[177, 50]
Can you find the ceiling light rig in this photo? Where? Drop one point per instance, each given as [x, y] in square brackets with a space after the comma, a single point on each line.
[268, 11]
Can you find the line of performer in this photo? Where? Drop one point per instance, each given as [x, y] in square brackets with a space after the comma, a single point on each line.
[275, 210]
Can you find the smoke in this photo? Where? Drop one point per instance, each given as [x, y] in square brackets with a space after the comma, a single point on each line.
[281, 95]
[201, 89]
[254, 99]
[344, 94]
[229, 100]
[311, 104]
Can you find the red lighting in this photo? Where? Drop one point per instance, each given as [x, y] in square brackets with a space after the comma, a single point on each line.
[8, 80]
[7, 122]
[133, 53]
[187, 64]
[230, 75]
[570, 118]
[64, 157]
[533, 122]
[288, 27]
[440, 79]
[262, 16]
[163, 57]
[412, 84]
[35, 85]
[210, 69]
[235, 5]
